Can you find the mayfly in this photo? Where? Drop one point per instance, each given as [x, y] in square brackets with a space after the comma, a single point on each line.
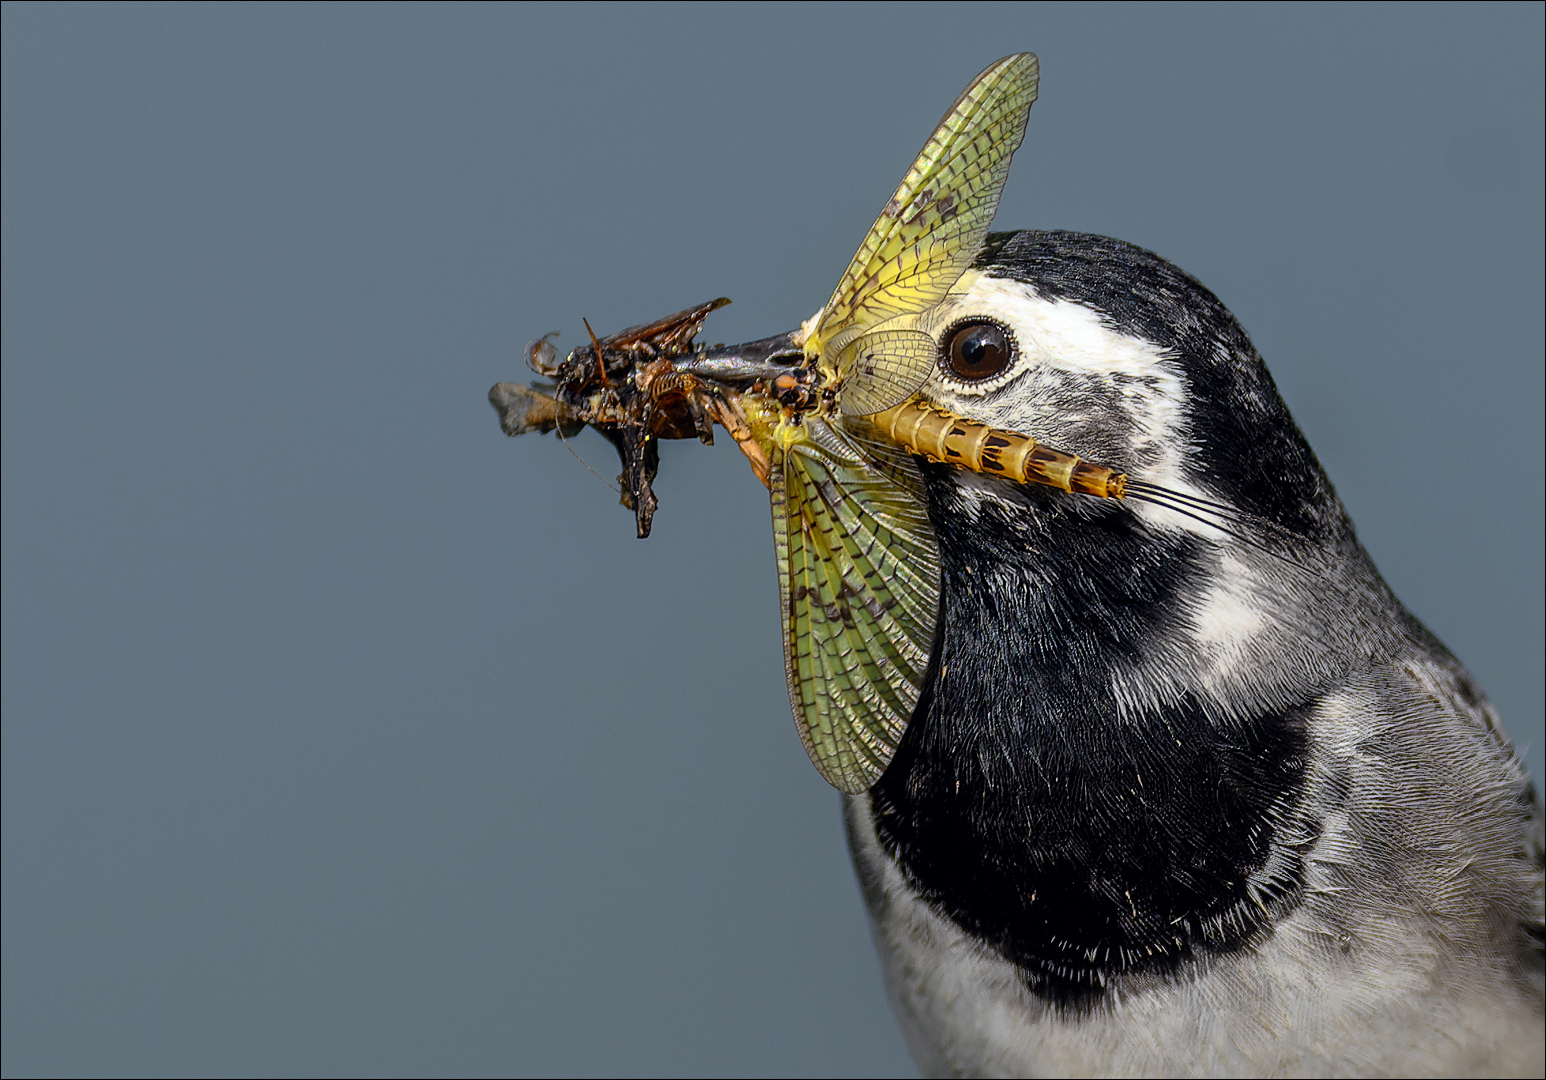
[832, 420]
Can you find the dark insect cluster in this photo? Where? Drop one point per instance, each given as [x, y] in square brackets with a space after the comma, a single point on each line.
[629, 387]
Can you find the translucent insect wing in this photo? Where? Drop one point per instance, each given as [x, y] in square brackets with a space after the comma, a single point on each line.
[930, 230]
[884, 367]
[859, 576]
[857, 560]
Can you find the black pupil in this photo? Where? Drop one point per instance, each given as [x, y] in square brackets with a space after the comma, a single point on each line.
[978, 351]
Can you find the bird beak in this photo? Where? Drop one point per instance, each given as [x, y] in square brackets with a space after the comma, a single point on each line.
[756, 377]
[742, 365]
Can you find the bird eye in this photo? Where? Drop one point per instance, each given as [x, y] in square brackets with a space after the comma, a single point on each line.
[978, 350]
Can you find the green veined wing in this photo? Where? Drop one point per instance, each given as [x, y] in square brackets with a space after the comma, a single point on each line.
[859, 579]
[926, 236]
[858, 563]
[883, 364]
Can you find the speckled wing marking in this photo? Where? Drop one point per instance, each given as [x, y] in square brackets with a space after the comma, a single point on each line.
[932, 227]
[858, 572]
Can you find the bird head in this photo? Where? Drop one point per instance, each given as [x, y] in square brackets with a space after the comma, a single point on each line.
[1090, 405]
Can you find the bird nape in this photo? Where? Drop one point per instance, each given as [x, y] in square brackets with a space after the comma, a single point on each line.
[1146, 771]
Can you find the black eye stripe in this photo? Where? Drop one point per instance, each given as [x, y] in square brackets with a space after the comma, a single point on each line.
[977, 350]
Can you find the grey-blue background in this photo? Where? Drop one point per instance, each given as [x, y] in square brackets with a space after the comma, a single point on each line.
[345, 736]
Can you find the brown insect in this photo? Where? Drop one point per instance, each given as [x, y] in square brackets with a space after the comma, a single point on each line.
[636, 387]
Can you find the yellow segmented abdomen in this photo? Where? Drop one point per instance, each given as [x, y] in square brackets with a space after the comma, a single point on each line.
[955, 440]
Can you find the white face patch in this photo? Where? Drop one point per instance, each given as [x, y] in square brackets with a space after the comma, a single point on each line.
[1071, 369]
[1227, 617]
[1077, 385]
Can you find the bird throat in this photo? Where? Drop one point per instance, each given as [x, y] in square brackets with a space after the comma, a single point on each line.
[1087, 840]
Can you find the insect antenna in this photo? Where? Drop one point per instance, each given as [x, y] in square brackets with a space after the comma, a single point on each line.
[560, 433]
[601, 365]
